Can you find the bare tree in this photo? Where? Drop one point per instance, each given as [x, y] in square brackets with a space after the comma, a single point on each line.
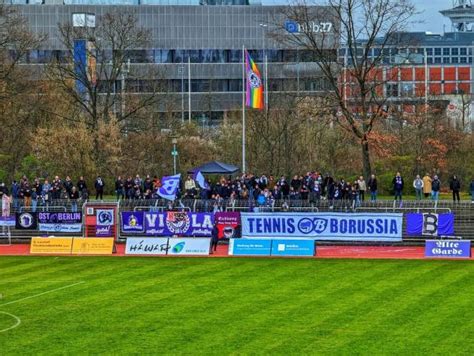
[357, 79]
[96, 83]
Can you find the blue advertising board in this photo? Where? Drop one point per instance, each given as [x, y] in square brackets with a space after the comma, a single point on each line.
[448, 248]
[293, 247]
[250, 247]
[323, 226]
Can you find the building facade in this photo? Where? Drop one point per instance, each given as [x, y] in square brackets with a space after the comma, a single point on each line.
[207, 35]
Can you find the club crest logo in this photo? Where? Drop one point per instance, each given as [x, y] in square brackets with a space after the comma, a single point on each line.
[105, 217]
[177, 222]
[254, 79]
[26, 220]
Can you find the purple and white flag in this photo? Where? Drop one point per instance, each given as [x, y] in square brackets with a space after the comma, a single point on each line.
[198, 177]
[169, 187]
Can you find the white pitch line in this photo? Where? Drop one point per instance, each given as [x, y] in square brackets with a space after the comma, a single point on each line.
[37, 295]
[18, 321]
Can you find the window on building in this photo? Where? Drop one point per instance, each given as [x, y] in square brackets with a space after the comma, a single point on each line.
[454, 51]
[437, 60]
[463, 51]
[463, 60]
[454, 60]
[446, 60]
[445, 51]
[392, 90]
[83, 20]
[429, 51]
[407, 89]
[437, 51]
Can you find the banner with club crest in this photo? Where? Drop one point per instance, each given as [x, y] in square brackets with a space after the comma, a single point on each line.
[169, 223]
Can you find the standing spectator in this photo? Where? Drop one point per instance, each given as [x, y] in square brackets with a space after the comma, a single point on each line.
[190, 187]
[129, 187]
[68, 185]
[455, 186]
[35, 194]
[56, 187]
[214, 238]
[372, 185]
[81, 185]
[398, 187]
[362, 187]
[15, 194]
[119, 188]
[427, 185]
[284, 187]
[99, 188]
[73, 197]
[435, 188]
[26, 193]
[148, 184]
[6, 200]
[418, 185]
[471, 188]
[46, 193]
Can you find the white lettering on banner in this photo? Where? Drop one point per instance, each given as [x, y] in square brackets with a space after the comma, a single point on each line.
[206, 224]
[60, 227]
[151, 219]
[324, 226]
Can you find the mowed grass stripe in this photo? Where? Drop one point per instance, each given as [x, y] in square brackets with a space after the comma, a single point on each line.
[215, 306]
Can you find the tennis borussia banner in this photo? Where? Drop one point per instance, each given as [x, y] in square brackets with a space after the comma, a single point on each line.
[323, 226]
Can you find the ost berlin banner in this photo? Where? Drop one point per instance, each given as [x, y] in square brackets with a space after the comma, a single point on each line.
[323, 226]
[60, 222]
[228, 224]
[167, 223]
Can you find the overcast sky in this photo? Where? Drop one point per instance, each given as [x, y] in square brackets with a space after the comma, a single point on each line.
[429, 18]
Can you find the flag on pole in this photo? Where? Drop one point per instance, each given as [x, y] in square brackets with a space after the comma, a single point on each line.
[169, 187]
[254, 85]
[198, 177]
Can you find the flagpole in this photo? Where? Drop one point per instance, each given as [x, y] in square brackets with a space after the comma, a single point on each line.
[243, 110]
[189, 88]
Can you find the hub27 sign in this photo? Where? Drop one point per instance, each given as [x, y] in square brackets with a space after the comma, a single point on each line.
[167, 223]
[323, 226]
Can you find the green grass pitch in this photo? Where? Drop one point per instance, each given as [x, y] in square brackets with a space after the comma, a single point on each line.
[235, 306]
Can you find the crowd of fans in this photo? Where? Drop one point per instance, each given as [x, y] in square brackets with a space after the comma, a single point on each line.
[263, 190]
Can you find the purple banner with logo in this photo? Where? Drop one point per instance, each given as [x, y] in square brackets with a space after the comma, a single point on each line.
[60, 218]
[448, 248]
[430, 224]
[132, 221]
[103, 231]
[178, 223]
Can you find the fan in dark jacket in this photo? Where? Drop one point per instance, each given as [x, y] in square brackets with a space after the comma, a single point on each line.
[455, 186]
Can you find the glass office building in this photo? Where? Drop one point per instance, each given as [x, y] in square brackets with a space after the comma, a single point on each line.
[210, 33]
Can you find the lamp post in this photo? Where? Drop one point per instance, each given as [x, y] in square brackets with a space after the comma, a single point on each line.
[174, 153]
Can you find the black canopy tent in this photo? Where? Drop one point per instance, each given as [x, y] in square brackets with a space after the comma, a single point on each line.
[215, 167]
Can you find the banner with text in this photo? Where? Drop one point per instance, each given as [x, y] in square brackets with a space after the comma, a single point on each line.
[250, 247]
[323, 226]
[178, 223]
[430, 224]
[228, 224]
[7, 221]
[60, 222]
[54, 245]
[147, 246]
[189, 246]
[448, 248]
[92, 246]
[293, 247]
